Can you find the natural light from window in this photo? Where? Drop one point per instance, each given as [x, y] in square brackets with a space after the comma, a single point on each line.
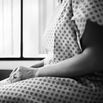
[36, 14]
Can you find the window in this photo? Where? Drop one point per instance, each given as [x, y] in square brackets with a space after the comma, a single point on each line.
[9, 28]
[22, 24]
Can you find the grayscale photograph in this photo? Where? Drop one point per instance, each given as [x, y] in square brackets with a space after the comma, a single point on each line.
[51, 51]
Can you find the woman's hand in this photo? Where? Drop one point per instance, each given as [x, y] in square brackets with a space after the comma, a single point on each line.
[22, 73]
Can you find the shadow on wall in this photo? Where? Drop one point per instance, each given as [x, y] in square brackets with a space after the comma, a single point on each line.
[4, 74]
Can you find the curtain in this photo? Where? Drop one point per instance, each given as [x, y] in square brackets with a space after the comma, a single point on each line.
[46, 10]
[36, 14]
[35, 18]
[9, 28]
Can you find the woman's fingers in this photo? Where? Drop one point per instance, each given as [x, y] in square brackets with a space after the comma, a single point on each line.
[22, 73]
[15, 75]
[14, 70]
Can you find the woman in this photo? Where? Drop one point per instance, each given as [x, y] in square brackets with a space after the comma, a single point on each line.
[73, 71]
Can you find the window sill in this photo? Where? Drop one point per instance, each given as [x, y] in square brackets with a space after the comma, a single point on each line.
[11, 63]
[39, 57]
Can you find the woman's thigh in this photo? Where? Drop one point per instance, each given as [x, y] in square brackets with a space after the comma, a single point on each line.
[49, 90]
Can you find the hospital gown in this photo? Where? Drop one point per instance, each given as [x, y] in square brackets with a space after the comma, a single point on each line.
[62, 39]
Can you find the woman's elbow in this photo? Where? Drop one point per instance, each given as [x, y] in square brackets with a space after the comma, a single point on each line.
[94, 58]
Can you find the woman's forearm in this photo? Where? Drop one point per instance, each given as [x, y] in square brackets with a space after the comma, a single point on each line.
[38, 64]
[76, 66]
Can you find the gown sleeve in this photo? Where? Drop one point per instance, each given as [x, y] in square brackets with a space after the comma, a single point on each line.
[90, 9]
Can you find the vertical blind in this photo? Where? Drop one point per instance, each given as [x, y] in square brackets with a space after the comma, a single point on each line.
[36, 14]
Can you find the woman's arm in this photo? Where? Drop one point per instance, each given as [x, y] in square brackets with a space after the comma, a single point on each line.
[76, 66]
[87, 62]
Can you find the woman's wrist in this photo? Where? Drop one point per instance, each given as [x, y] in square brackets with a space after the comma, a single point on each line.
[38, 72]
[43, 71]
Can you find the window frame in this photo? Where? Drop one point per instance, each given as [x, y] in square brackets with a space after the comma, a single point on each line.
[21, 43]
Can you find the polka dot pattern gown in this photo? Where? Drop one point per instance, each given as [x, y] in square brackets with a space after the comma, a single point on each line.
[62, 37]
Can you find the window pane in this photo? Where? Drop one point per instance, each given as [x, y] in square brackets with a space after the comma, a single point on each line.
[9, 28]
[36, 14]
[30, 28]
